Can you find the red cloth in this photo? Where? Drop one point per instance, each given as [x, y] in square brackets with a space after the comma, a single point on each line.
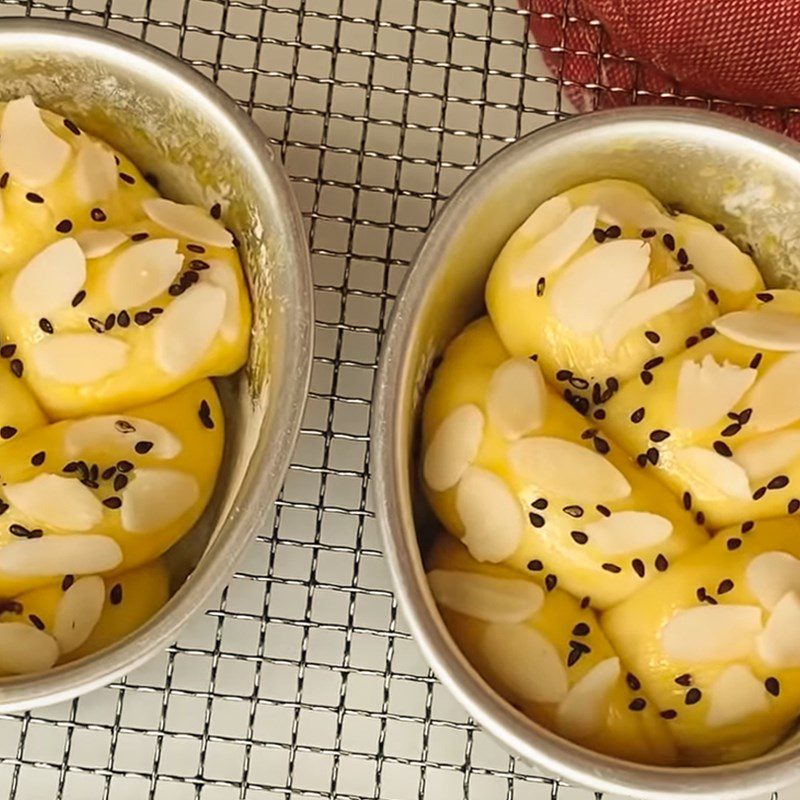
[618, 52]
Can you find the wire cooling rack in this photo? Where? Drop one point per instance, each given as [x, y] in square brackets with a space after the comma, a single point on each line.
[302, 681]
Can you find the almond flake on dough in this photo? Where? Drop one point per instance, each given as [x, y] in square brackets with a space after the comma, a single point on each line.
[553, 250]
[63, 554]
[584, 710]
[222, 274]
[567, 469]
[779, 644]
[768, 455]
[774, 399]
[628, 531]
[771, 575]
[143, 271]
[99, 242]
[621, 204]
[76, 358]
[491, 515]
[516, 397]
[485, 597]
[25, 649]
[50, 280]
[708, 390]
[638, 310]
[596, 283]
[711, 633]
[767, 330]
[56, 502]
[78, 612]
[526, 662]
[119, 431]
[155, 498]
[734, 696]
[717, 475]
[453, 447]
[186, 330]
[95, 174]
[188, 221]
[29, 150]
[545, 218]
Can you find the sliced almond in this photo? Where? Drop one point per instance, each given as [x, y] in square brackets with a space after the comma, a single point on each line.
[775, 400]
[221, 274]
[516, 398]
[56, 502]
[155, 498]
[715, 476]
[485, 597]
[49, 281]
[491, 515]
[143, 271]
[25, 649]
[716, 258]
[99, 242]
[584, 710]
[66, 554]
[767, 330]
[453, 447]
[29, 150]
[95, 176]
[624, 204]
[734, 696]
[526, 663]
[567, 469]
[711, 633]
[552, 251]
[771, 575]
[779, 644]
[708, 390]
[638, 310]
[78, 612]
[548, 215]
[768, 455]
[187, 328]
[188, 221]
[628, 531]
[594, 284]
[76, 358]
[122, 431]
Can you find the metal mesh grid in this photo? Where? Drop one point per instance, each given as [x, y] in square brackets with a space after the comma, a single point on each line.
[302, 680]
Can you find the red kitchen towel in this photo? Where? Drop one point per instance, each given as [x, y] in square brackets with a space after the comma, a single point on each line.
[618, 52]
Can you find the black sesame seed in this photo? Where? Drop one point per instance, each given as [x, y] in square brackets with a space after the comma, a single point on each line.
[142, 317]
[613, 232]
[112, 502]
[700, 518]
[661, 563]
[793, 507]
[67, 581]
[143, 447]
[669, 241]
[725, 586]
[108, 473]
[773, 686]
[199, 265]
[32, 197]
[638, 415]
[731, 430]
[37, 621]
[684, 680]
[682, 256]
[652, 336]
[603, 510]
[756, 360]
[765, 297]
[541, 503]
[648, 233]
[563, 375]
[98, 215]
[65, 226]
[7, 432]
[537, 520]
[733, 543]
[550, 582]
[641, 460]
[116, 160]
[637, 704]
[687, 500]
[535, 565]
[748, 526]
[8, 350]
[759, 493]
[579, 537]
[46, 325]
[96, 325]
[585, 601]
[632, 681]
[723, 449]
[599, 235]
[37, 459]
[120, 482]
[124, 466]
[72, 127]
[668, 713]
[701, 593]
[692, 696]
[613, 568]
[713, 297]
[647, 377]
[129, 179]
[652, 455]
[638, 567]
[654, 362]
[216, 211]
[573, 657]
[659, 435]
[175, 290]
[94, 472]
[15, 529]
[601, 445]
[597, 394]
[718, 226]
[110, 321]
[70, 466]
[540, 285]
[706, 333]
[140, 237]
[573, 511]
[79, 298]
[123, 426]
[778, 482]
[691, 341]
[195, 248]
[115, 595]
[3, 180]
[578, 383]
[580, 629]
[123, 319]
